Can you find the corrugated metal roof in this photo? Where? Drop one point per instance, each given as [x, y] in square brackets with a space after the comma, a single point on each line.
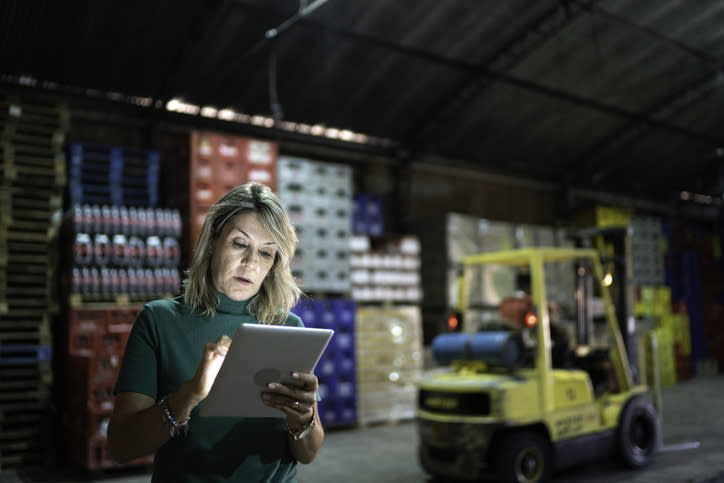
[618, 95]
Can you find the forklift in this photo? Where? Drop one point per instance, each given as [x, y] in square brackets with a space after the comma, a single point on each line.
[528, 391]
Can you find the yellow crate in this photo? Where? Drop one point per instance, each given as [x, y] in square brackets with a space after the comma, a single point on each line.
[662, 299]
[681, 333]
[645, 306]
[605, 216]
[655, 301]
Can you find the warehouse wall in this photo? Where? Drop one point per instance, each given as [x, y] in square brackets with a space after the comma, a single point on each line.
[426, 193]
[437, 191]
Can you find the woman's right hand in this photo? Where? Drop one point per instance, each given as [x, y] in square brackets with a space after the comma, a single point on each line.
[214, 355]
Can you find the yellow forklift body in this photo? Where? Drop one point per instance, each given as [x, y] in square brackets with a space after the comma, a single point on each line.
[455, 400]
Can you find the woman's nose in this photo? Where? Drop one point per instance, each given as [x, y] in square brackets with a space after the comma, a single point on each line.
[248, 259]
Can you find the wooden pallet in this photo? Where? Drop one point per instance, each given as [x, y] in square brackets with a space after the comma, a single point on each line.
[19, 416]
[35, 264]
[38, 234]
[39, 336]
[21, 309]
[17, 213]
[39, 372]
[40, 200]
[34, 111]
[28, 177]
[30, 283]
[35, 196]
[25, 396]
[20, 452]
[10, 153]
[14, 322]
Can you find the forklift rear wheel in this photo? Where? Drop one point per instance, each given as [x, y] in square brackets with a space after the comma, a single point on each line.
[523, 457]
[638, 433]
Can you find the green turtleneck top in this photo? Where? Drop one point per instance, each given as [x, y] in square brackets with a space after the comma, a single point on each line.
[163, 351]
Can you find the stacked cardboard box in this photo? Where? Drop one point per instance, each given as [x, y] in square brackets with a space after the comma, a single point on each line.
[386, 271]
[389, 362]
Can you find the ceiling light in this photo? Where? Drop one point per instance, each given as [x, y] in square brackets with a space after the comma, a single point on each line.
[226, 114]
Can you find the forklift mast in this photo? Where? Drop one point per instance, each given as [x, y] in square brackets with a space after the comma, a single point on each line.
[614, 246]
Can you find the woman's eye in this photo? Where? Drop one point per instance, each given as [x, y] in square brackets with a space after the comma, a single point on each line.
[267, 254]
[239, 245]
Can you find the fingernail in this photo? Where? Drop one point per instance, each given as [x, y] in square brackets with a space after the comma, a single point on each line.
[266, 396]
[295, 375]
[272, 385]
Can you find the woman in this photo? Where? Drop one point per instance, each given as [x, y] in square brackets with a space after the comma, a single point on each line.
[239, 273]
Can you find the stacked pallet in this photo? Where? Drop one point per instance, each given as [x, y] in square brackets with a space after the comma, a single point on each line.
[32, 181]
[121, 250]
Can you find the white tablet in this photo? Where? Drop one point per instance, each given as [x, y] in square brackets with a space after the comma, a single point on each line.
[260, 354]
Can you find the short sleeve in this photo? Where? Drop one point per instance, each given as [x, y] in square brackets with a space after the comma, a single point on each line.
[139, 367]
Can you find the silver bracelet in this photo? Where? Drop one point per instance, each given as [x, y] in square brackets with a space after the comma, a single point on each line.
[175, 428]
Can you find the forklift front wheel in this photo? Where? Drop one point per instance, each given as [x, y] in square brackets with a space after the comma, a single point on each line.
[523, 457]
[638, 432]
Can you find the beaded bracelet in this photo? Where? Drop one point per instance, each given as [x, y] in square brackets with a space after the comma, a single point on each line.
[175, 428]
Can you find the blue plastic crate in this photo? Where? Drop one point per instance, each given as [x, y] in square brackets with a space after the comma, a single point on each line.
[127, 176]
[341, 384]
[308, 311]
[343, 338]
[344, 312]
[338, 411]
[345, 361]
[326, 366]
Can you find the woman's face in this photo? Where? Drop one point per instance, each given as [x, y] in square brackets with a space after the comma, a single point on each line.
[243, 255]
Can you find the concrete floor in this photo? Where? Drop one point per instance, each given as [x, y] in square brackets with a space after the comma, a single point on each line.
[693, 451]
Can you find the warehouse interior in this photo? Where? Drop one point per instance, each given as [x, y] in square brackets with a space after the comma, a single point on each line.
[424, 131]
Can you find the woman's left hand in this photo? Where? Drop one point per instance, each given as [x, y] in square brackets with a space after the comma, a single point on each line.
[296, 398]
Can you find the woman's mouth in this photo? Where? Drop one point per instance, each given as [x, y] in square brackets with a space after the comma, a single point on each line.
[243, 280]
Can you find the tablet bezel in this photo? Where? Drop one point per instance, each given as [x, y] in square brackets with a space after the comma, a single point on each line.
[262, 351]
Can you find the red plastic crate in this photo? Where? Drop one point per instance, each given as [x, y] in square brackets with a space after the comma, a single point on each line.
[90, 382]
[114, 341]
[85, 327]
[122, 315]
[120, 323]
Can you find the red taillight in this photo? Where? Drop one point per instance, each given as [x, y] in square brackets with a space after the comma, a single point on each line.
[452, 322]
[531, 319]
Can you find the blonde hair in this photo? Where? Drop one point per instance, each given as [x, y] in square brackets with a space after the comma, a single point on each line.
[279, 292]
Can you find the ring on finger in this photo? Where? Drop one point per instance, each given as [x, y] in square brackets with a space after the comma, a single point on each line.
[297, 404]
